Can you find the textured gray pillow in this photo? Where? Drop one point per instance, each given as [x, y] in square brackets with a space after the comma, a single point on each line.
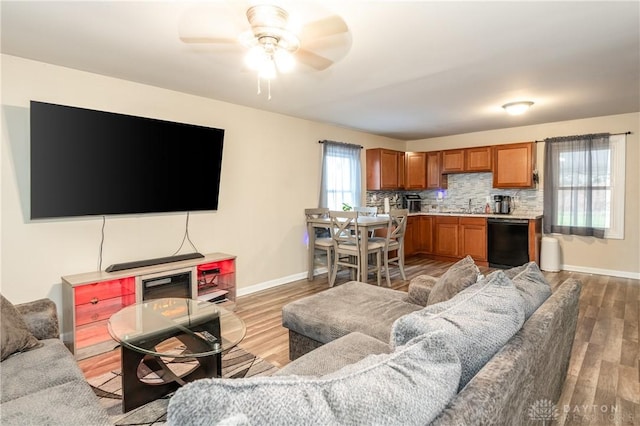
[460, 275]
[533, 288]
[410, 386]
[15, 335]
[477, 322]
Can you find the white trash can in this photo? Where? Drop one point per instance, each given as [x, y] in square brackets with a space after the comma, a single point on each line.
[550, 255]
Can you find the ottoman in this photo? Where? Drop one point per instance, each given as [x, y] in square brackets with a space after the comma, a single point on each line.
[338, 311]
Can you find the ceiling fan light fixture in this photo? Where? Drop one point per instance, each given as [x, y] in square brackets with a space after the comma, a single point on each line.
[517, 108]
[267, 70]
[284, 60]
[256, 57]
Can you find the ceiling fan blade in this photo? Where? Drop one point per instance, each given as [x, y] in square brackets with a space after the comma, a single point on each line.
[311, 59]
[209, 40]
[324, 27]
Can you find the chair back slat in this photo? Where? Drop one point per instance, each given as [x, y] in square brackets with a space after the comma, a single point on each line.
[342, 225]
[398, 219]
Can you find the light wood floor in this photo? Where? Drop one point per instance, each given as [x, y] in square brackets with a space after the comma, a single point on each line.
[603, 383]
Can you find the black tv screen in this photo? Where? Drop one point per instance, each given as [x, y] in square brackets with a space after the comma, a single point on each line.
[87, 162]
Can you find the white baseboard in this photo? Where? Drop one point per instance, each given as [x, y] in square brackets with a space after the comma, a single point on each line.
[302, 275]
[599, 271]
[277, 282]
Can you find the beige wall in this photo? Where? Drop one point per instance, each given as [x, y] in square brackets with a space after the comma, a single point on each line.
[270, 173]
[585, 254]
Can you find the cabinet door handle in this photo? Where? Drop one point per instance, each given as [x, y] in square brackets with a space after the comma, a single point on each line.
[94, 301]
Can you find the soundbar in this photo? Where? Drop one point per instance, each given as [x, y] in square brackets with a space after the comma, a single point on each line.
[150, 262]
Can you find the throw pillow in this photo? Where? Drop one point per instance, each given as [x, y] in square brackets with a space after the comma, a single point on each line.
[410, 386]
[533, 288]
[477, 322]
[15, 336]
[459, 276]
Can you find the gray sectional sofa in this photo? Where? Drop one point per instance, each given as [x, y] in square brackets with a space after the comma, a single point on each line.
[486, 351]
[41, 383]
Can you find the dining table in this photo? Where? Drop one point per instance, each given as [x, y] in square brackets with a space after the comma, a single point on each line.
[366, 224]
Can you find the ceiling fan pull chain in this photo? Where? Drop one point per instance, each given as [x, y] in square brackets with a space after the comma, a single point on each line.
[259, 90]
[269, 88]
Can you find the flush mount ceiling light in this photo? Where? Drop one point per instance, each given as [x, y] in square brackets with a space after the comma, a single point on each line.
[517, 108]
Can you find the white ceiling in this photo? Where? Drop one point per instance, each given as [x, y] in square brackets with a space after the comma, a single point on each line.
[414, 69]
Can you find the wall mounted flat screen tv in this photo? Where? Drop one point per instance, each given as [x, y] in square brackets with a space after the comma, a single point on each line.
[87, 162]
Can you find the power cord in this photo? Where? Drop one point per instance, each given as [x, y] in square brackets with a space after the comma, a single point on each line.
[186, 237]
[104, 220]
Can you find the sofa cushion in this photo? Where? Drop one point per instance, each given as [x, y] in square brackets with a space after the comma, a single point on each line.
[477, 322]
[334, 355]
[14, 334]
[353, 306]
[407, 387]
[71, 403]
[532, 285]
[29, 372]
[459, 276]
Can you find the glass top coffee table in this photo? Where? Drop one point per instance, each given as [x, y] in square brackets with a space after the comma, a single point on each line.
[168, 342]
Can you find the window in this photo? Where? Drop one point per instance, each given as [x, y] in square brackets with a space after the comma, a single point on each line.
[341, 175]
[584, 185]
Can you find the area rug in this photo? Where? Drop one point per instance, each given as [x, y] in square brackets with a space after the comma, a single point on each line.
[236, 363]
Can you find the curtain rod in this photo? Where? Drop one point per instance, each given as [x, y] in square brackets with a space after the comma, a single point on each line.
[612, 134]
[342, 143]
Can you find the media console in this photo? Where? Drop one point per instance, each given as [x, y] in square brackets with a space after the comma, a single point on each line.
[89, 299]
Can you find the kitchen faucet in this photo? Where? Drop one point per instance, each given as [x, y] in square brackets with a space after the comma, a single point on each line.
[469, 205]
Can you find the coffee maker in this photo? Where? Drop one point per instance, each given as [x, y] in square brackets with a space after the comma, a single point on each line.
[506, 204]
[501, 204]
[412, 202]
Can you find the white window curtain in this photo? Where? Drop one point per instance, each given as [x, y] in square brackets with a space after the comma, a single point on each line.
[577, 190]
[341, 181]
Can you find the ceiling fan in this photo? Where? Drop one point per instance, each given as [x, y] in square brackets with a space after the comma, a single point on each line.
[272, 42]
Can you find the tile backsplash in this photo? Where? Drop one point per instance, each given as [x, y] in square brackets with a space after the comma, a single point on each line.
[462, 188]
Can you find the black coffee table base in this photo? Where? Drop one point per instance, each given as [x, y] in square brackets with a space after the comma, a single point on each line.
[137, 392]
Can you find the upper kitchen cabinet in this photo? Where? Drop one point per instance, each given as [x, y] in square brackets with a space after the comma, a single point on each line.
[416, 170]
[385, 169]
[435, 179]
[467, 160]
[513, 165]
[453, 161]
[478, 159]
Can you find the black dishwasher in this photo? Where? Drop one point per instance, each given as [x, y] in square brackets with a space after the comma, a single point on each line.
[508, 242]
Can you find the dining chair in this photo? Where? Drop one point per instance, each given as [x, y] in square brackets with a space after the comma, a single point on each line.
[394, 242]
[347, 244]
[367, 211]
[322, 242]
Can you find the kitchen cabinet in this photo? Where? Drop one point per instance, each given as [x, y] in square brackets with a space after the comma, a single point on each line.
[385, 169]
[416, 170]
[446, 236]
[412, 236]
[435, 178]
[473, 237]
[478, 159]
[426, 235]
[453, 161]
[513, 165]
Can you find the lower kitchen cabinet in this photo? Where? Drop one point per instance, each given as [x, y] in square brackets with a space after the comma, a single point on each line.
[412, 236]
[473, 237]
[426, 234]
[446, 236]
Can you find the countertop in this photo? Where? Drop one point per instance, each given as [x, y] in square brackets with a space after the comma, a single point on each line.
[516, 215]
